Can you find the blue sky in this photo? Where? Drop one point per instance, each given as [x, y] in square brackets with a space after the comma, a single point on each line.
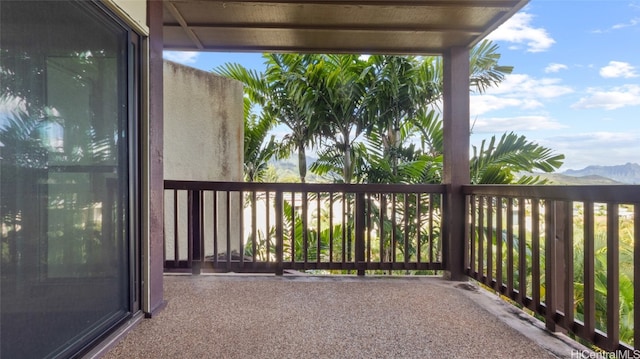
[575, 86]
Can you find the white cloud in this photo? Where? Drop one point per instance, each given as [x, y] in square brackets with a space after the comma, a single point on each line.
[617, 69]
[554, 67]
[631, 23]
[518, 29]
[617, 97]
[519, 91]
[520, 123]
[584, 149]
[183, 57]
[486, 103]
[586, 140]
[522, 85]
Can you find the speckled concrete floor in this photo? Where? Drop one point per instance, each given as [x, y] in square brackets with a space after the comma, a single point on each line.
[331, 317]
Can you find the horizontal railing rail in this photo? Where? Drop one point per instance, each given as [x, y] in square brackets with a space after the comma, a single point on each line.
[272, 227]
[569, 254]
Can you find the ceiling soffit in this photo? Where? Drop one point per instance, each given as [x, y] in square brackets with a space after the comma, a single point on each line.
[332, 26]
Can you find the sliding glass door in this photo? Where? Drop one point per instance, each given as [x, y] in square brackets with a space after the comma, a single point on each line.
[68, 120]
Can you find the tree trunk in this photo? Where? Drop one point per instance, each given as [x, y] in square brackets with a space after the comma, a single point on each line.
[347, 172]
[302, 163]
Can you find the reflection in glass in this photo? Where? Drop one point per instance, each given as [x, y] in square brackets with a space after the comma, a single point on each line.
[64, 176]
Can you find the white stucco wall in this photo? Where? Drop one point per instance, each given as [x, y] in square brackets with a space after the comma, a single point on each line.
[203, 141]
[203, 125]
[132, 11]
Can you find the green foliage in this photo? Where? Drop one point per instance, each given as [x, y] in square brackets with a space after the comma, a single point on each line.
[257, 152]
[376, 119]
[284, 95]
[484, 67]
[625, 274]
[499, 163]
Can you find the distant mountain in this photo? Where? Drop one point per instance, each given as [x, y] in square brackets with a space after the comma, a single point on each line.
[287, 169]
[564, 180]
[627, 174]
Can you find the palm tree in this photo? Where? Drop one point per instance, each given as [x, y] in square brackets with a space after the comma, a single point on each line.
[284, 94]
[501, 162]
[345, 90]
[395, 101]
[405, 86]
[257, 152]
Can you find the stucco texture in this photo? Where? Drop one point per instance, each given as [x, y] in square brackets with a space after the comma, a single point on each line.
[203, 141]
[203, 125]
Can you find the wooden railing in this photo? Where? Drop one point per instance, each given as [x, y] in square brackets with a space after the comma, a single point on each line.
[273, 227]
[566, 253]
[570, 254]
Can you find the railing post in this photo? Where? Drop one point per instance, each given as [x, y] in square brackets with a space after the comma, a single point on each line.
[279, 234]
[360, 230]
[195, 231]
[455, 172]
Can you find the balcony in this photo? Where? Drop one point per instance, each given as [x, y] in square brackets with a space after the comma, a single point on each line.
[266, 316]
[388, 247]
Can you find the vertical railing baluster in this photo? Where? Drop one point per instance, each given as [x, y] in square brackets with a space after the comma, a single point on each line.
[254, 224]
[164, 238]
[318, 228]
[359, 235]
[613, 276]
[418, 228]
[522, 251]
[535, 255]
[499, 250]
[406, 230]
[349, 215]
[431, 228]
[241, 229]
[202, 229]
[549, 264]
[228, 227]
[331, 227]
[442, 240]
[305, 233]
[176, 228]
[194, 236]
[214, 214]
[383, 208]
[267, 204]
[568, 267]
[481, 232]
[490, 233]
[589, 272]
[279, 233]
[344, 229]
[368, 226]
[510, 262]
[467, 235]
[473, 259]
[562, 269]
[293, 227]
[636, 274]
[393, 229]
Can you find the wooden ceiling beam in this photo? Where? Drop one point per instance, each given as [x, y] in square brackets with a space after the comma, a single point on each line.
[283, 26]
[183, 23]
[500, 4]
